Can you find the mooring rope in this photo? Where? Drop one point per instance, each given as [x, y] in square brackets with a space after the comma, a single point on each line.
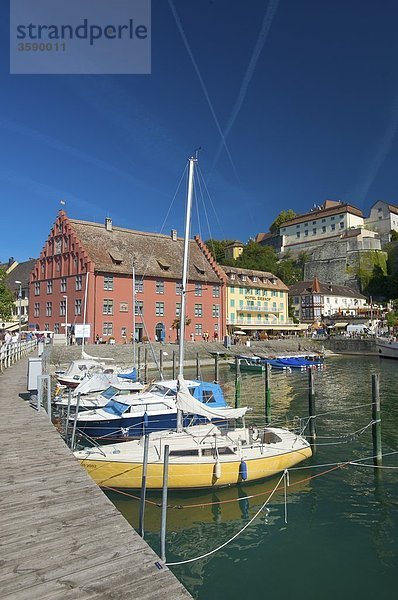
[189, 560]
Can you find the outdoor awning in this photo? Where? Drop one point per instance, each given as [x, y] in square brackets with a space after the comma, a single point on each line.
[339, 325]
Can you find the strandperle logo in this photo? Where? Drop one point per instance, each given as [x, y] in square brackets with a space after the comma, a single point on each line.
[85, 31]
[80, 36]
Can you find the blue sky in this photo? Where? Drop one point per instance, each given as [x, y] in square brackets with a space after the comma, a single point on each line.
[292, 102]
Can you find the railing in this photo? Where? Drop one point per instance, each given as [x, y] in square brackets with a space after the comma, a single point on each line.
[13, 351]
[259, 309]
[264, 322]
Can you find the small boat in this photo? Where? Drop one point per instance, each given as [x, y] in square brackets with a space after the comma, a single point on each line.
[387, 347]
[78, 371]
[125, 415]
[299, 361]
[251, 364]
[109, 387]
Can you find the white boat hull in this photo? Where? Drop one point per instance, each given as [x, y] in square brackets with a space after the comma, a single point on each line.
[387, 349]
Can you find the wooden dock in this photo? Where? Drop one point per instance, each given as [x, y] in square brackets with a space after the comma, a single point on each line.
[61, 538]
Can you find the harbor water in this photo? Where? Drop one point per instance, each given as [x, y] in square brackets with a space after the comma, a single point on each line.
[341, 535]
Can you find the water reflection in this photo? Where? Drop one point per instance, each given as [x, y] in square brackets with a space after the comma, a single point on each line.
[344, 523]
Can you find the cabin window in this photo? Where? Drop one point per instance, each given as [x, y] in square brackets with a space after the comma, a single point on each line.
[183, 452]
[207, 397]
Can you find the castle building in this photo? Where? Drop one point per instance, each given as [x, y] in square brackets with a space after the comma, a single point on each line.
[84, 275]
[383, 218]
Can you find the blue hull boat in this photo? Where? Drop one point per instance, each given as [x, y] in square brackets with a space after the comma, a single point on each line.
[155, 410]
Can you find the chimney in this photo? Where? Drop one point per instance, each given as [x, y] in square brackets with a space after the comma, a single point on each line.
[108, 224]
[174, 235]
[10, 261]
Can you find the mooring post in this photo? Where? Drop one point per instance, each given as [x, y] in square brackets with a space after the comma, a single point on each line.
[267, 384]
[376, 422]
[161, 363]
[143, 486]
[311, 405]
[146, 365]
[197, 366]
[164, 504]
[174, 365]
[237, 382]
[68, 415]
[216, 368]
[138, 362]
[72, 441]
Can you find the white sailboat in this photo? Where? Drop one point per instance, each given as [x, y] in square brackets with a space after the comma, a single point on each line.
[202, 456]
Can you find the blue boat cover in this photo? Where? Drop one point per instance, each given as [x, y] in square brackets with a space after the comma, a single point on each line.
[131, 376]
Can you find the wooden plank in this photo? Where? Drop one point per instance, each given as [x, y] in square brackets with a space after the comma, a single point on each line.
[61, 536]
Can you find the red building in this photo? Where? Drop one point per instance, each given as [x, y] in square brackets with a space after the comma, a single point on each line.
[80, 256]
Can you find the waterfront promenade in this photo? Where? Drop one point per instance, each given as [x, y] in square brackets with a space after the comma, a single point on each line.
[61, 538]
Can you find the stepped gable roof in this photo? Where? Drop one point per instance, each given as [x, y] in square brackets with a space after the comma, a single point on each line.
[263, 279]
[155, 254]
[326, 289]
[21, 273]
[328, 209]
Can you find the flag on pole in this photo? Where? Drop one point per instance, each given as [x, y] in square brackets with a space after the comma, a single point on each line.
[63, 202]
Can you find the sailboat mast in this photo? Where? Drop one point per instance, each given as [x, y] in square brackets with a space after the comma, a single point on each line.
[133, 313]
[191, 170]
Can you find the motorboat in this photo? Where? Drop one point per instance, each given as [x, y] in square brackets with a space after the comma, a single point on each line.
[126, 415]
[387, 347]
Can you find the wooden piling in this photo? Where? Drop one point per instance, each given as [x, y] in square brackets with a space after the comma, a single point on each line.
[197, 366]
[216, 368]
[174, 364]
[164, 504]
[311, 406]
[73, 438]
[267, 386]
[67, 417]
[237, 382]
[143, 486]
[376, 422]
[146, 365]
[138, 362]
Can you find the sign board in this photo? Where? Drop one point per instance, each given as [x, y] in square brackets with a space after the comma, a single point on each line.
[83, 330]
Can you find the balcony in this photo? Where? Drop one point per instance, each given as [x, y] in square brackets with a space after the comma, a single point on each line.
[260, 322]
[258, 309]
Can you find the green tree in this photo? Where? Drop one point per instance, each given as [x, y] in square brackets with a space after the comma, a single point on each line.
[258, 258]
[6, 297]
[217, 248]
[394, 235]
[284, 215]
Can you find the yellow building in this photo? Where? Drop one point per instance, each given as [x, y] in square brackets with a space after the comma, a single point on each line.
[234, 250]
[256, 302]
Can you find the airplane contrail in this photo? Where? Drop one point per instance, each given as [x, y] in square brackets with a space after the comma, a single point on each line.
[261, 39]
[202, 83]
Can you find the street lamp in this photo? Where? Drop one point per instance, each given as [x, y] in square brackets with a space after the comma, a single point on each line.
[66, 320]
[19, 308]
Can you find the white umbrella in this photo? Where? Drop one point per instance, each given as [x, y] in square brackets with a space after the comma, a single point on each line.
[240, 332]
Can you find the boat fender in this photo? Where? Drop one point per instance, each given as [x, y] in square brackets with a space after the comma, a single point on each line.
[217, 470]
[243, 470]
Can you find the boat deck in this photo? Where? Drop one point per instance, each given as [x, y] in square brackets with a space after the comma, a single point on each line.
[61, 536]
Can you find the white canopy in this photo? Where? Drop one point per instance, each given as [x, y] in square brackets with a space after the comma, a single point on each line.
[187, 403]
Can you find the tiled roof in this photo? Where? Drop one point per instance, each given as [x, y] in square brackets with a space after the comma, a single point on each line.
[154, 254]
[324, 212]
[21, 273]
[393, 209]
[249, 274]
[326, 289]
